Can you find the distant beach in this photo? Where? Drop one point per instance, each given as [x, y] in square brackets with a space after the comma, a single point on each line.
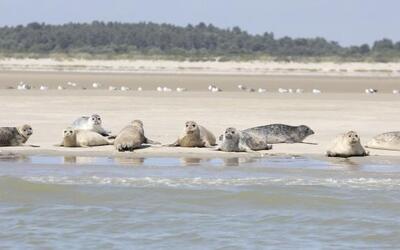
[208, 67]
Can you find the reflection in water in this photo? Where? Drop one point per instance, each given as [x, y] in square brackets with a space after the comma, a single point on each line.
[345, 162]
[129, 161]
[13, 157]
[190, 161]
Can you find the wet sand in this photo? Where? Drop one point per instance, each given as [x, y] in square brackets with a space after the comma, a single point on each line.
[164, 114]
[199, 82]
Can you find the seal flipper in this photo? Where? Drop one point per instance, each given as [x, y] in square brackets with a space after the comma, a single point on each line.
[148, 141]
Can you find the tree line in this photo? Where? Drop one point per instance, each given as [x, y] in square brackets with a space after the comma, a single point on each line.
[192, 41]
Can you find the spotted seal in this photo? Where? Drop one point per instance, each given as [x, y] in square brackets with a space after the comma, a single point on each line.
[347, 145]
[15, 136]
[195, 135]
[280, 133]
[386, 141]
[83, 138]
[132, 137]
[239, 141]
[92, 123]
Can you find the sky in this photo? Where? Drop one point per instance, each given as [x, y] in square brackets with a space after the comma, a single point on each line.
[350, 22]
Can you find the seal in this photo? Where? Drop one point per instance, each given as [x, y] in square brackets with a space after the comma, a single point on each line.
[239, 141]
[280, 133]
[132, 137]
[347, 145]
[386, 141]
[15, 136]
[195, 135]
[92, 123]
[83, 138]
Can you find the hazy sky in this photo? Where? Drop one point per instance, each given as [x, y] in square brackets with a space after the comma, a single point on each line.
[345, 21]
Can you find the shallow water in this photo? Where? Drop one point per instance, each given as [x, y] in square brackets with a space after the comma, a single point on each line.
[180, 203]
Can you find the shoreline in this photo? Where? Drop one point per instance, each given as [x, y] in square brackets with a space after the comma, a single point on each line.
[376, 156]
[256, 68]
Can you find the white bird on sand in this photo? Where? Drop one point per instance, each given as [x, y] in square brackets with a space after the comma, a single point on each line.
[44, 87]
[241, 87]
[112, 88]
[260, 90]
[96, 85]
[371, 91]
[73, 84]
[124, 88]
[140, 89]
[180, 89]
[316, 91]
[166, 89]
[290, 91]
[60, 87]
[23, 86]
[211, 87]
[396, 91]
[215, 89]
[281, 90]
[159, 89]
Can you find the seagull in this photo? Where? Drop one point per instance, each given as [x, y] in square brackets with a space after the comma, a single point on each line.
[60, 87]
[166, 89]
[96, 85]
[211, 87]
[241, 87]
[139, 89]
[124, 88]
[180, 89]
[260, 90]
[396, 91]
[281, 90]
[112, 88]
[316, 91]
[215, 89]
[44, 87]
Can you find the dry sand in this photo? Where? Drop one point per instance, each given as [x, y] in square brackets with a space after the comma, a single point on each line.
[164, 114]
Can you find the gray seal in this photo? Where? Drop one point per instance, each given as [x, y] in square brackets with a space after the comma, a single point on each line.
[239, 141]
[386, 141]
[92, 123]
[195, 135]
[83, 138]
[280, 133]
[347, 145]
[132, 137]
[15, 136]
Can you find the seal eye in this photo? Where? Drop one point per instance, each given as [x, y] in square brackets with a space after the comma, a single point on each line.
[233, 132]
[187, 125]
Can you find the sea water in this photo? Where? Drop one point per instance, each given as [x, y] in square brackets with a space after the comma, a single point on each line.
[51, 202]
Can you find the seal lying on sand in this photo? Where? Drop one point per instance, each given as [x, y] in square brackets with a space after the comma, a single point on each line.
[92, 123]
[347, 145]
[280, 133]
[194, 135]
[237, 141]
[83, 138]
[132, 137]
[15, 136]
[387, 141]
